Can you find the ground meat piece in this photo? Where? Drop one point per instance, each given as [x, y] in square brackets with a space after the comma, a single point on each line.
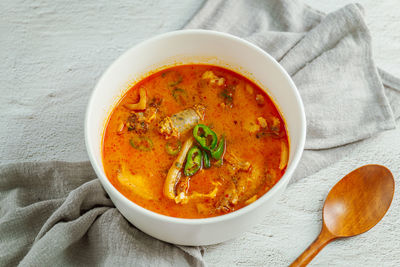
[150, 114]
[236, 162]
[136, 122]
[228, 199]
[260, 100]
[212, 78]
[249, 89]
[248, 184]
[276, 125]
[262, 122]
[155, 102]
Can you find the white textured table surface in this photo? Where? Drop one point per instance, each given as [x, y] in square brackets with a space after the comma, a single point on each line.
[53, 52]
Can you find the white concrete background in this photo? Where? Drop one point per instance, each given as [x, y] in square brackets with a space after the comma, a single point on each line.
[53, 52]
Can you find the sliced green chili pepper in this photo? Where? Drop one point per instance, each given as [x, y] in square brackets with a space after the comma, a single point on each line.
[172, 84]
[173, 149]
[205, 136]
[219, 150]
[141, 143]
[206, 160]
[177, 93]
[193, 161]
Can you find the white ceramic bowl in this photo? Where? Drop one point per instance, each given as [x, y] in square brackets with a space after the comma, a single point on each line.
[184, 47]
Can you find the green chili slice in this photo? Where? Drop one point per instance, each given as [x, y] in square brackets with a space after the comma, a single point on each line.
[205, 137]
[206, 160]
[219, 150]
[173, 149]
[141, 143]
[178, 93]
[172, 84]
[193, 161]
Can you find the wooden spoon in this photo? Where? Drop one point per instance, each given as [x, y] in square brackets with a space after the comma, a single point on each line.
[353, 206]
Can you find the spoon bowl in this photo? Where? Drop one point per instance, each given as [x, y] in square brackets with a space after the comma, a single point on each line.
[358, 201]
[353, 206]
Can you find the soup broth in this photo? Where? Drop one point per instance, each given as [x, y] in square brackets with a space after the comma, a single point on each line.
[195, 141]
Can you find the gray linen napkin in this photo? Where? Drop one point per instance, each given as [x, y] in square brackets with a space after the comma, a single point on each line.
[57, 213]
[330, 60]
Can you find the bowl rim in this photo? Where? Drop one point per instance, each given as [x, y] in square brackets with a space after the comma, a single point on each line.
[196, 221]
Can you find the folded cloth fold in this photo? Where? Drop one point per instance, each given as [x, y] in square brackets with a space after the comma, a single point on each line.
[56, 213]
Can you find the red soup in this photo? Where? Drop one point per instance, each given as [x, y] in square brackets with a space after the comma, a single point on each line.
[195, 141]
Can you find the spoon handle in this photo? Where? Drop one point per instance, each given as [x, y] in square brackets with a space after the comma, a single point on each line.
[324, 238]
